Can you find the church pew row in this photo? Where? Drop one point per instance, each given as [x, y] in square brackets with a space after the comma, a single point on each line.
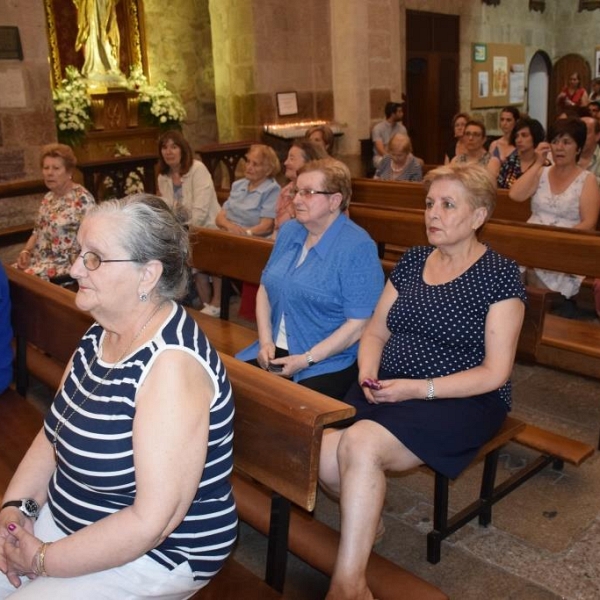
[546, 339]
[14, 190]
[408, 194]
[244, 258]
[278, 430]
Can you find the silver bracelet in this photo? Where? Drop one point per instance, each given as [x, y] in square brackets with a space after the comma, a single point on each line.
[430, 390]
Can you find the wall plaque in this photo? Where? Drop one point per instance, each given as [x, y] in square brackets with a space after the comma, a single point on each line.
[10, 44]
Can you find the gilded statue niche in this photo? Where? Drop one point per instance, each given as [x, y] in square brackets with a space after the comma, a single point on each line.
[64, 34]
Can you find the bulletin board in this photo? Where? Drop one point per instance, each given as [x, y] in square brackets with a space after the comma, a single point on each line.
[497, 75]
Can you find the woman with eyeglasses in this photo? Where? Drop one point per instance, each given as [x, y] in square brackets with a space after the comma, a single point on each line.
[124, 493]
[46, 252]
[473, 139]
[319, 287]
[456, 146]
[562, 194]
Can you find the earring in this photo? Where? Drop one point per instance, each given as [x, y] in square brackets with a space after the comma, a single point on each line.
[144, 297]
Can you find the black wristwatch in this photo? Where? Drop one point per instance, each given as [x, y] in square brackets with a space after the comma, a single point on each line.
[28, 506]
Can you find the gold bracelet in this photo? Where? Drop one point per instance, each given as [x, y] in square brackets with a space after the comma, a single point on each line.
[39, 558]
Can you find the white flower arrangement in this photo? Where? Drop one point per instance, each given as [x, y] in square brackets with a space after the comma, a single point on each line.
[164, 107]
[72, 107]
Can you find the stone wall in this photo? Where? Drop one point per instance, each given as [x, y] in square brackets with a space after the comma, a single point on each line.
[29, 125]
[179, 50]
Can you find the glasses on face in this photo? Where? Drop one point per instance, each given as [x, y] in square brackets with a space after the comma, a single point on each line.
[305, 193]
[474, 134]
[91, 261]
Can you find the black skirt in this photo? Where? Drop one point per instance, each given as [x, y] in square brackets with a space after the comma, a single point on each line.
[445, 433]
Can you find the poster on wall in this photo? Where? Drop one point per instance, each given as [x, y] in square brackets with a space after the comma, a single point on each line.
[517, 84]
[500, 76]
[597, 62]
[483, 85]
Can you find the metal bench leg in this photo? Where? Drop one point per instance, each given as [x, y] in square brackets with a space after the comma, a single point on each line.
[440, 519]
[278, 542]
[487, 486]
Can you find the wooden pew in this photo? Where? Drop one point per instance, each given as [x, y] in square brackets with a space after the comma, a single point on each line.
[407, 194]
[233, 257]
[14, 190]
[557, 249]
[278, 430]
[236, 252]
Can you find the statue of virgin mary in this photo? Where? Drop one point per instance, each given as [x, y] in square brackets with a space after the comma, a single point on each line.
[98, 35]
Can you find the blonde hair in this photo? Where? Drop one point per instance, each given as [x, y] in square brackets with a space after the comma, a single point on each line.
[479, 184]
[336, 177]
[268, 156]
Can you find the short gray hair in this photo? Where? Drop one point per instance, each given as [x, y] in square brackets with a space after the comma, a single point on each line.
[149, 230]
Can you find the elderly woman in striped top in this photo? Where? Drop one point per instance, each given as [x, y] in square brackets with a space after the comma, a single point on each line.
[124, 493]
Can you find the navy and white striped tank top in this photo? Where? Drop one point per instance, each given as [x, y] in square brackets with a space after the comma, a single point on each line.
[95, 474]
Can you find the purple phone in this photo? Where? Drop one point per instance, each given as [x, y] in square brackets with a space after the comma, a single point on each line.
[373, 384]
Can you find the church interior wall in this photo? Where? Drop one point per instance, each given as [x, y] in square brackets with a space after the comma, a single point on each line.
[228, 59]
[27, 118]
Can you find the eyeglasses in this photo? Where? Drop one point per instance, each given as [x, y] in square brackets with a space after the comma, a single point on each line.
[304, 193]
[472, 133]
[91, 261]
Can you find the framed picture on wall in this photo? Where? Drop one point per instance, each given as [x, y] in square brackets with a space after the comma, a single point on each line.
[597, 63]
[479, 52]
[287, 104]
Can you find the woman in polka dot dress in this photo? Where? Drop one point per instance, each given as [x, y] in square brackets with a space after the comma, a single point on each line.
[434, 366]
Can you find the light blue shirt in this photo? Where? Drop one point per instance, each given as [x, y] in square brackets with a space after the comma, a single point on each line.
[340, 279]
[247, 208]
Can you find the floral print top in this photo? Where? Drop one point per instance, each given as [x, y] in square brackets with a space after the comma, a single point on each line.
[56, 229]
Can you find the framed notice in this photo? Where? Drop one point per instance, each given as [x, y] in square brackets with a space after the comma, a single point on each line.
[479, 52]
[287, 104]
[10, 44]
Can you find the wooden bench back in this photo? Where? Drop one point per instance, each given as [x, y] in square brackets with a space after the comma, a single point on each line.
[558, 249]
[278, 424]
[408, 194]
[278, 430]
[229, 255]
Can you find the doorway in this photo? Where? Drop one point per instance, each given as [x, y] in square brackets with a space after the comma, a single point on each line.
[538, 85]
[563, 67]
[432, 61]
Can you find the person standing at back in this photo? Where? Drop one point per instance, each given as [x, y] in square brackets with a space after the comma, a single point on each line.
[384, 131]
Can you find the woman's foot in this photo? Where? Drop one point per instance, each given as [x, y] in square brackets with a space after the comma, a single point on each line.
[211, 311]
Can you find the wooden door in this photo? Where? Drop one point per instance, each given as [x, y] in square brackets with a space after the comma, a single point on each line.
[432, 42]
[561, 70]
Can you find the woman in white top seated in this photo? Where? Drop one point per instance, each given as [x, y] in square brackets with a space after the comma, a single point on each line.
[186, 184]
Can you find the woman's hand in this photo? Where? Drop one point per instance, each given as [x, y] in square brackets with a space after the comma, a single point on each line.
[235, 228]
[265, 355]
[18, 548]
[393, 390]
[291, 364]
[7, 540]
[24, 259]
[541, 152]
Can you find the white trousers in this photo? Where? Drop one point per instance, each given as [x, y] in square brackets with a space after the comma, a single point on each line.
[139, 579]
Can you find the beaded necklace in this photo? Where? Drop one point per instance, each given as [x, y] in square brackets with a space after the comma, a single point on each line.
[62, 421]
